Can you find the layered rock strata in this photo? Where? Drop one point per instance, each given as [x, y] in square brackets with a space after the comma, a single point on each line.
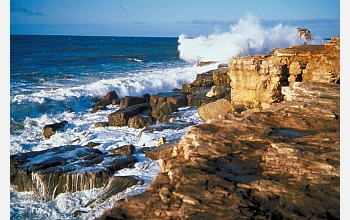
[257, 81]
[281, 162]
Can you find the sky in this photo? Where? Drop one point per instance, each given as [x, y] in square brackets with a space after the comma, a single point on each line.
[167, 17]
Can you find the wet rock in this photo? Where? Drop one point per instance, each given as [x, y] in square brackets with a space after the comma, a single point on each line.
[131, 100]
[200, 98]
[164, 108]
[121, 116]
[111, 98]
[64, 169]
[177, 98]
[141, 120]
[92, 144]
[101, 124]
[123, 150]
[115, 185]
[51, 129]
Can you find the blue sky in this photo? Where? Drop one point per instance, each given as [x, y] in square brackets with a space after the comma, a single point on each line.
[166, 17]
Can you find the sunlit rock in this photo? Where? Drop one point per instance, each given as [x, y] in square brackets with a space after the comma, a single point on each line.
[281, 162]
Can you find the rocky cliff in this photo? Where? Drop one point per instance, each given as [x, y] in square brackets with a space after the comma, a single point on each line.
[257, 81]
[278, 160]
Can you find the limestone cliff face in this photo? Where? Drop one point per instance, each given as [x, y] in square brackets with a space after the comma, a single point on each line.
[257, 81]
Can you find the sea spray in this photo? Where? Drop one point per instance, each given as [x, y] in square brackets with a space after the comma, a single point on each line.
[246, 37]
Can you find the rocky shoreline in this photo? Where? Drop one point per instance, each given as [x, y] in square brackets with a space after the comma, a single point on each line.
[269, 147]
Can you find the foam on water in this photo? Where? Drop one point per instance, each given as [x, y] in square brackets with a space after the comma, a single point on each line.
[82, 129]
[247, 37]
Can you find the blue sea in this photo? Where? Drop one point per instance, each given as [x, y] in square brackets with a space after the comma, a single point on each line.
[50, 74]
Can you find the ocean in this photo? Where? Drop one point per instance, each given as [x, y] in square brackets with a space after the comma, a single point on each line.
[50, 74]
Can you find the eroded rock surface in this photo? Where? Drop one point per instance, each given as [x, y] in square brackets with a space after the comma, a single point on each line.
[280, 162]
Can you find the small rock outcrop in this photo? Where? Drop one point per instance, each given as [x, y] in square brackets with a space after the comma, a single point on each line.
[111, 98]
[51, 129]
[121, 116]
[213, 110]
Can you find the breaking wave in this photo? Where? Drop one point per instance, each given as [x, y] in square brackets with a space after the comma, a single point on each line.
[246, 37]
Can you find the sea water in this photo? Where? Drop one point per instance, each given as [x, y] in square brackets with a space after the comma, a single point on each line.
[50, 74]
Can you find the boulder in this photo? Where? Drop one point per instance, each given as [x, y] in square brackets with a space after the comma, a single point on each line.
[215, 109]
[51, 129]
[131, 100]
[141, 120]
[115, 185]
[121, 116]
[218, 92]
[128, 149]
[164, 108]
[178, 98]
[199, 98]
[101, 124]
[111, 98]
[162, 151]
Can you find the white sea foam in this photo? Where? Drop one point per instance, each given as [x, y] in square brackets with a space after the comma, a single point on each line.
[136, 84]
[246, 37]
[26, 205]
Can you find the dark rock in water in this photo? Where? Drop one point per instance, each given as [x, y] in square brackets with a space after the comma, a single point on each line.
[200, 98]
[121, 116]
[204, 80]
[51, 129]
[164, 108]
[141, 120]
[64, 169]
[78, 213]
[69, 110]
[92, 144]
[115, 185]
[108, 99]
[101, 124]
[123, 150]
[131, 100]
[178, 98]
